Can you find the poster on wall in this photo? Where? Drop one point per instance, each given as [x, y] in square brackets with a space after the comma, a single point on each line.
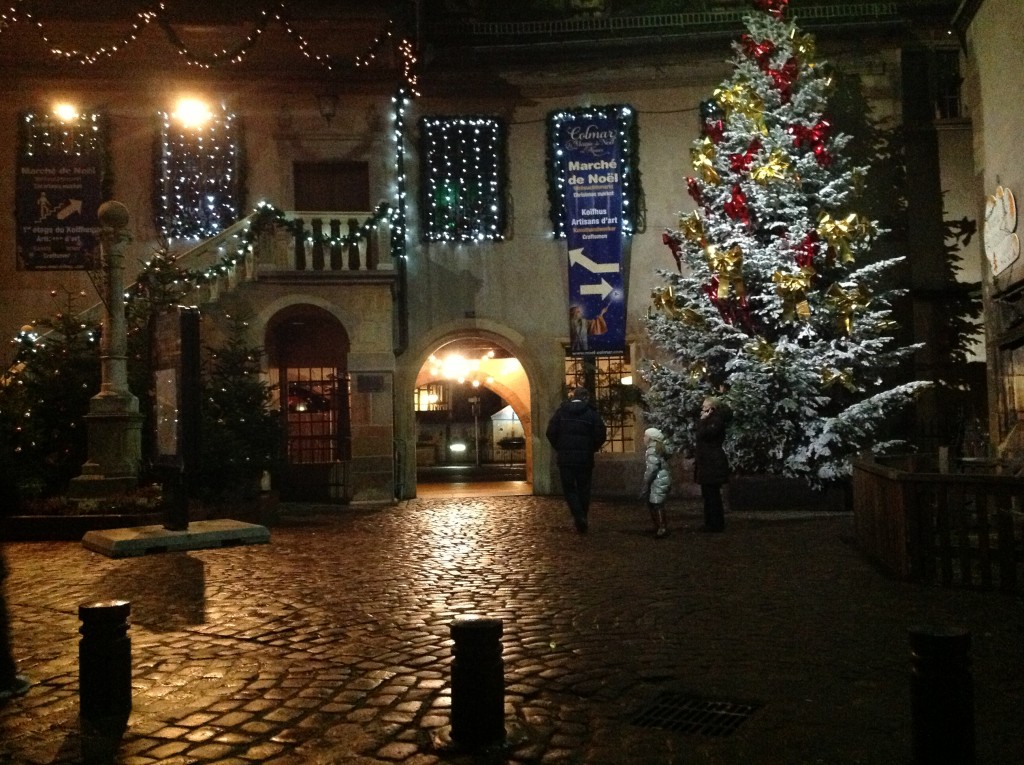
[58, 198]
[593, 191]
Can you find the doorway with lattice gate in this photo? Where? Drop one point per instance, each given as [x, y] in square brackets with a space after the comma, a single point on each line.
[307, 349]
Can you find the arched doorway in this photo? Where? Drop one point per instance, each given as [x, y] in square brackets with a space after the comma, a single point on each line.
[470, 400]
[307, 350]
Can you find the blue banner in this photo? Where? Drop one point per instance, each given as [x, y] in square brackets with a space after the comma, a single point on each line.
[592, 152]
[58, 198]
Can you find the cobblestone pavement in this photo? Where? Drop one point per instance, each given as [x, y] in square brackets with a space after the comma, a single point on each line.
[331, 644]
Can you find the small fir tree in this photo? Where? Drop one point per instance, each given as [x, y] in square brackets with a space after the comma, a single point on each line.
[44, 397]
[240, 433]
[775, 304]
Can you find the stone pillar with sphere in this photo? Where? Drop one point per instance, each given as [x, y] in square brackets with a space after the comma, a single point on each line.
[114, 422]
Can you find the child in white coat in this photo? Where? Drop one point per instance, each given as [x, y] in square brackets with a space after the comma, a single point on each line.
[657, 479]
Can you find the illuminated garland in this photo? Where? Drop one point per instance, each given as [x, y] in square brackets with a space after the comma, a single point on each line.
[628, 134]
[232, 55]
[398, 218]
[198, 177]
[265, 217]
[463, 161]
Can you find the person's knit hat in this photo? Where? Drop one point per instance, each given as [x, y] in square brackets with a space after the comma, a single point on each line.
[581, 393]
[654, 434]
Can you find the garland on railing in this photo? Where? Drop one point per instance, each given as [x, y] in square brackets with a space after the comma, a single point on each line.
[264, 219]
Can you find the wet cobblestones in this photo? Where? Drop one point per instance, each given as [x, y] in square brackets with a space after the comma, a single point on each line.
[331, 644]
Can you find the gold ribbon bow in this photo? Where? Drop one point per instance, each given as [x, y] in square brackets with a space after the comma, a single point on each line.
[845, 303]
[728, 265]
[692, 227]
[803, 47]
[839, 232]
[831, 376]
[775, 167]
[703, 159]
[792, 288]
[741, 99]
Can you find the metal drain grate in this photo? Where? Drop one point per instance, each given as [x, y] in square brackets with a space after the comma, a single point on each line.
[683, 713]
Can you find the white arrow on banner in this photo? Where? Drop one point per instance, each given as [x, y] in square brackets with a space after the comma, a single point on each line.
[73, 206]
[577, 258]
[602, 289]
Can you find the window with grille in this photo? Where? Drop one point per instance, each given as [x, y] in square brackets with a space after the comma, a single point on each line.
[609, 378]
[946, 81]
[431, 398]
[316, 409]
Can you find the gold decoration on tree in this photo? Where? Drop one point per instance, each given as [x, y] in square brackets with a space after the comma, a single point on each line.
[704, 161]
[742, 99]
[728, 266]
[761, 350]
[664, 299]
[692, 227]
[774, 168]
[845, 302]
[831, 376]
[803, 46]
[840, 232]
[792, 288]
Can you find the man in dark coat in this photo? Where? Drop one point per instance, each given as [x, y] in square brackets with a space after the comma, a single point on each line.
[710, 463]
[576, 431]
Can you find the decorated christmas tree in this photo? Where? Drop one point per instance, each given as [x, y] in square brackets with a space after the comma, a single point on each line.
[778, 303]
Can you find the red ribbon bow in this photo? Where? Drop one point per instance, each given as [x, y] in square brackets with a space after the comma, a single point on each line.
[736, 208]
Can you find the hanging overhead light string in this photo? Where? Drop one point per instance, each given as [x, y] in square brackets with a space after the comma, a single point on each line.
[18, 13]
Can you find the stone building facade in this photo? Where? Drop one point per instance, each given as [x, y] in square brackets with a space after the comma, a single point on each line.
[329, 102]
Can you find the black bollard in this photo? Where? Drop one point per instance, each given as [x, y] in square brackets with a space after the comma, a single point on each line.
[478, 683]
[942, 696]
[104, 677]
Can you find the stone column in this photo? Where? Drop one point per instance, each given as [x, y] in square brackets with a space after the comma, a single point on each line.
[113, 421]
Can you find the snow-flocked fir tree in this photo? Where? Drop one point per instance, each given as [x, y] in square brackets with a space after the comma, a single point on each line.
[775, 305]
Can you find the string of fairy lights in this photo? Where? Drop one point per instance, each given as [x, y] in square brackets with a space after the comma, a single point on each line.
[17, 13]
[198, 174]
[463, 165]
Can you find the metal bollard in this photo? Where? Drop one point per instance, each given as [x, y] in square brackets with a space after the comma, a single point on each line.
[942, 696]
[478, 683]
[104, 668]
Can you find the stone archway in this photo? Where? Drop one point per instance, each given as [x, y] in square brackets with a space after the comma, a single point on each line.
[307, 352]
[462, 363]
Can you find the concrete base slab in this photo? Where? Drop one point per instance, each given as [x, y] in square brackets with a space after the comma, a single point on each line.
[144, 540]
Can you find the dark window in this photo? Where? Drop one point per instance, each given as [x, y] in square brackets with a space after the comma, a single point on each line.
[332, 186]
[609, 378]
[463, 178]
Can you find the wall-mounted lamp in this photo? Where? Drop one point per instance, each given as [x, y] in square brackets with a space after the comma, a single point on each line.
[328, 105]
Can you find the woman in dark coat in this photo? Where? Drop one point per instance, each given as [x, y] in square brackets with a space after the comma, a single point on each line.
[710, 463]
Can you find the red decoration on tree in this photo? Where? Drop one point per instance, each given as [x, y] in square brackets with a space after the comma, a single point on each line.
[736, 208]
[813, 138]
[693, 188]
[758, 51]
[774, 7]
[673, 245]
[713, 130]
[807, 249]
[740, 163]
[783, 79]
